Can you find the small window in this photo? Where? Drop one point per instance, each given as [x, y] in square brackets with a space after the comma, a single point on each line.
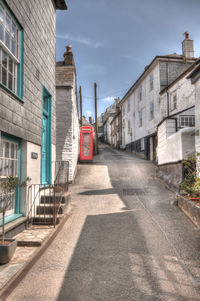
[140, 93]
[140, 118]
[151, 81]
[123, 110]
[128, 106]
[173, 102]
[187, 121]
[151, 110]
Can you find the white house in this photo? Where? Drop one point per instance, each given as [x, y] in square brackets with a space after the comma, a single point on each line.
[141, 108]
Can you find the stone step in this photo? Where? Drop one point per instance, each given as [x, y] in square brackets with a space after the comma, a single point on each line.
[41, 220]
[49, 209]
[50, 199]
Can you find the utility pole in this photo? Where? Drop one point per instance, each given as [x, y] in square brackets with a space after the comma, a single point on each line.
[96, 126]
[80, 93]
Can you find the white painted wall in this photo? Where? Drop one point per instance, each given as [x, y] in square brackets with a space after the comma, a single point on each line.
[148, 125]
[174, 146]
[185, 95]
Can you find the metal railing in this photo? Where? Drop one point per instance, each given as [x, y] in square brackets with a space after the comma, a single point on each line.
[45, 200]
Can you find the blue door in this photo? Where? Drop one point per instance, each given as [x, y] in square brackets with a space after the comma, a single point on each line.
[46, 139]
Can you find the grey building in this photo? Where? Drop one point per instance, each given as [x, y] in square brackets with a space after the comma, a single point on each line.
[67, 125]
[27, 95]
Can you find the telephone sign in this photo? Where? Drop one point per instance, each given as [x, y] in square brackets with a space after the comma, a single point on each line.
[86, 143]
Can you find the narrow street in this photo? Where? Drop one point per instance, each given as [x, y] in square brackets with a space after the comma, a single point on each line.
[123, 240]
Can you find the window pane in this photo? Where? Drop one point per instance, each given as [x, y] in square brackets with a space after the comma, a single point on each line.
[7, 39]
[1, 14]
[13, 47]
[4, 59]
[6, 149]
[8, 23]
[10, 80]
[12, 155]
[4, 76]
[10, 65]
[1, 32]
[14, 31]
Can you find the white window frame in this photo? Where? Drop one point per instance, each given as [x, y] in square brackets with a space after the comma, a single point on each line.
[187, 120]
[9, 52]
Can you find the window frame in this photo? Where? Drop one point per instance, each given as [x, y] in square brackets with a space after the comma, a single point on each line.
[152, 110]
[128, 105]
[151, 82]
[140, 93]
[184, 118]
[18, 93]
[140, 118]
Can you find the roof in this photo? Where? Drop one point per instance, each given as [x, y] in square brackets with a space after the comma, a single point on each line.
[156, 58]
[195, 74]
[189, 69]
[60, 4]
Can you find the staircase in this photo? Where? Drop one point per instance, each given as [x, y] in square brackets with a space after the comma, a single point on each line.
[48, 202]
[48, 206]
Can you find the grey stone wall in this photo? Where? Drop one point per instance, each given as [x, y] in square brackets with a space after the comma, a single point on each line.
[24, 120]
[170, 70]
[172, 174]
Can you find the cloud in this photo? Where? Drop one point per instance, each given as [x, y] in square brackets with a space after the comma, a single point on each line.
[108, 99]
[89, 113]
[82, 40]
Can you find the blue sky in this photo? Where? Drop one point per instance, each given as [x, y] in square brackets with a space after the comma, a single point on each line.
[113, 41]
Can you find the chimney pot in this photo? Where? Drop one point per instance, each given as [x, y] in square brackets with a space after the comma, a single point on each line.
[186, 35]
[69, 48]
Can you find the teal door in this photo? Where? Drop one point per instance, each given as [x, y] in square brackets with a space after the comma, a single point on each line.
[44, 149]
[46, 139]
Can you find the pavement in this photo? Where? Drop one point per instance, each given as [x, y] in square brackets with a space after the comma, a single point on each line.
[123, 240]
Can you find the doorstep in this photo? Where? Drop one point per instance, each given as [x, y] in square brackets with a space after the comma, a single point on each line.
[14, 224]
[190, 208]
[27, 243]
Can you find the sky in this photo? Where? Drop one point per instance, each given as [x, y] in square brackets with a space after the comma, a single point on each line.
[113, 40]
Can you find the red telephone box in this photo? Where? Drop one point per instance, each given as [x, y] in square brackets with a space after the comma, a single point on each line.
[86, 143]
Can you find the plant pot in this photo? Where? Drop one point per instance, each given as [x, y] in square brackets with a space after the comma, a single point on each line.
[7, 250]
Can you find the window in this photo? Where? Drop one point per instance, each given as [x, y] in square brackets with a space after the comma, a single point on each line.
[11, 56]
[187, 121]
[128, 106]
[151, 110]
[151, 82]
[140, 93]
[142, 144]
[123, 110]
[129, 126]
[9, 167]
[140, 118]
[174, 102]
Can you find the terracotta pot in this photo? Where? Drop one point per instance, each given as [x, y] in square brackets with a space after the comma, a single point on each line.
[7, 250]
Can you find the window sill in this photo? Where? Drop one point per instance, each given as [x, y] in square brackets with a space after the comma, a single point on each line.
[11, 92]
[10, 218]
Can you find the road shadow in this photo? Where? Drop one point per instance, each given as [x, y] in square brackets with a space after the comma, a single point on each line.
[111, 262]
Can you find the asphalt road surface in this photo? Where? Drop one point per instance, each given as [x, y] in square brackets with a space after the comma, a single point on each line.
[123, 241]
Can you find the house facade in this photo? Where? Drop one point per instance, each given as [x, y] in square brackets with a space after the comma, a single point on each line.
[27, 95]
[116, 130]
[141, 109]
[67, 125]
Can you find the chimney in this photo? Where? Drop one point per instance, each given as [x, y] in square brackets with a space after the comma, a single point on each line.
[187, 46]
[90, 120]
[68, 56]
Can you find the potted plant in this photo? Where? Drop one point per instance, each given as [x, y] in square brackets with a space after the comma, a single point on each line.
[7, 245]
